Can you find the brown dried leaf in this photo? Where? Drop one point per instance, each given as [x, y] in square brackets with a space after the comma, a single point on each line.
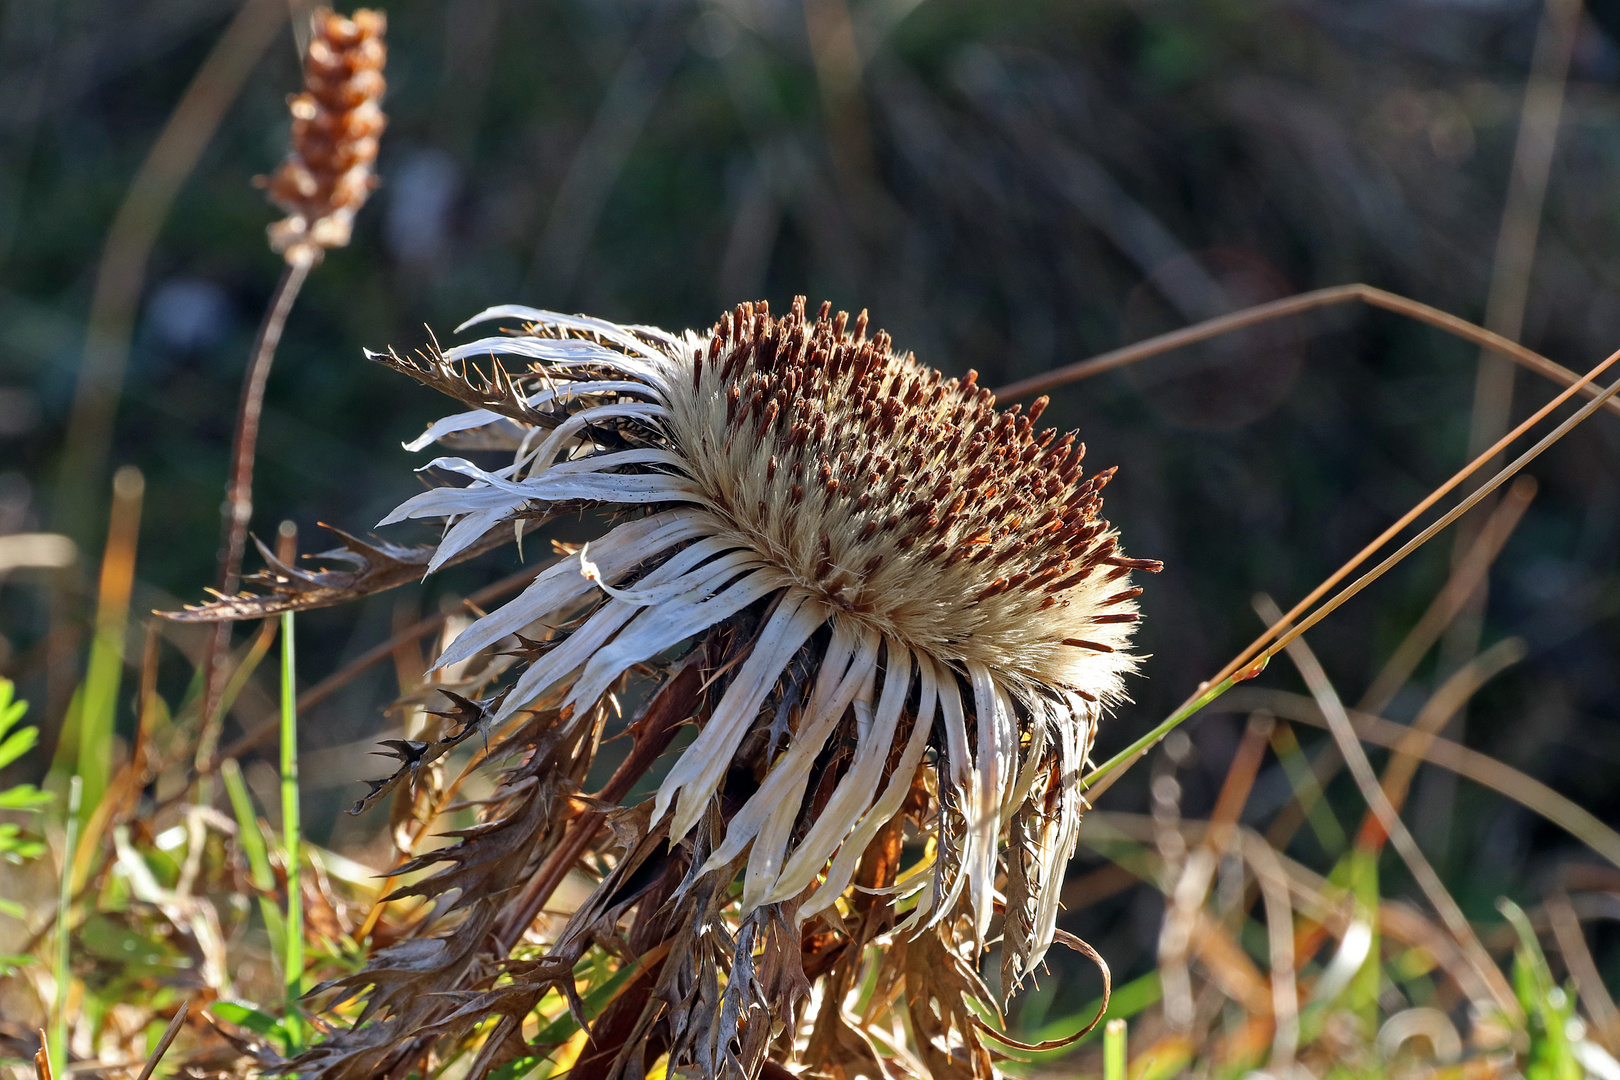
[464, 381]
[363, 568]
[947, 1031]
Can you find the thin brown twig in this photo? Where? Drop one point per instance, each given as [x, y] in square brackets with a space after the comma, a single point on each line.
[238, 508]
[1277, 309]
[1464, 580]
[1101, 778]
[1450, 516]
[166, 1041]
[1602, 399]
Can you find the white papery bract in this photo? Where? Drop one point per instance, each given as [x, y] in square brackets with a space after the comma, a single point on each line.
[937, 566]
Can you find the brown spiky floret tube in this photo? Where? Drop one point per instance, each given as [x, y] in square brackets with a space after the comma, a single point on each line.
[327, 175]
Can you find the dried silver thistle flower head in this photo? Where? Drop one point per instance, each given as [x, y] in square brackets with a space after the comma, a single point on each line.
[941, 563]
[892, 610]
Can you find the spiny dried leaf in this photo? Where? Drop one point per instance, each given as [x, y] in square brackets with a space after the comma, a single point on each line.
[489, 857]
[947, 1031]
[413, 755]
[1022, 893]
[363, 568]
[467, 383]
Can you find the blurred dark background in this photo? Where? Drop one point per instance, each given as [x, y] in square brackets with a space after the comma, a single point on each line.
[1007, 186]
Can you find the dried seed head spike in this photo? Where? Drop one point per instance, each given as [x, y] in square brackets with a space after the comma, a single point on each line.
[337, 121]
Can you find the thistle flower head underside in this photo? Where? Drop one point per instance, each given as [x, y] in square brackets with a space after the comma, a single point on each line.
[922, 575]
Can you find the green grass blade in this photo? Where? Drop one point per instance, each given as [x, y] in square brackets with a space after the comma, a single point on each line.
[1114, 1050]
[251, 837]
[1170, 723]
[293, 951]
[64, 925]
[98, 706]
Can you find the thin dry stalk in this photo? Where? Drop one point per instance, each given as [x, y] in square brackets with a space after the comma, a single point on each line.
[166, 1041]
[1464, 580]
[1308, 890]
[1466, 576]
[1521, 214]
[1104, 775]
[1273, 882]
[1361, 769]
[322, 184]
[1506, 302]
[1483, 769]
[1566, 928]
[1276, 309]
[1186, 899]
[1445, 703]
[238, 507]
[1284, 621]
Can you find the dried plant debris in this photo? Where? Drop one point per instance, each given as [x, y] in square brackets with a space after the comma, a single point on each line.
[469, 717]
[363, 567]
[892, 610]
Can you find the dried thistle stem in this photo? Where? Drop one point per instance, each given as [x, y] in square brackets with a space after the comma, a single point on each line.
[238, 508]
[322, 184]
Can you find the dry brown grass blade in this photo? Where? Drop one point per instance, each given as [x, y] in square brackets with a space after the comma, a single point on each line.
[1453, 694]
[1239, 782]
[1308, 890]
[166, 1041]
[42, 1059]
[1566, 928]
[1282, 624]
[1284, 621]
[1185, 918]
[1104, 775]
[1522, 212]
[1465, 579]
[1273, 882]
[1327, 699]
[1463, 582]
[1276, 309]
[1483, 769]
